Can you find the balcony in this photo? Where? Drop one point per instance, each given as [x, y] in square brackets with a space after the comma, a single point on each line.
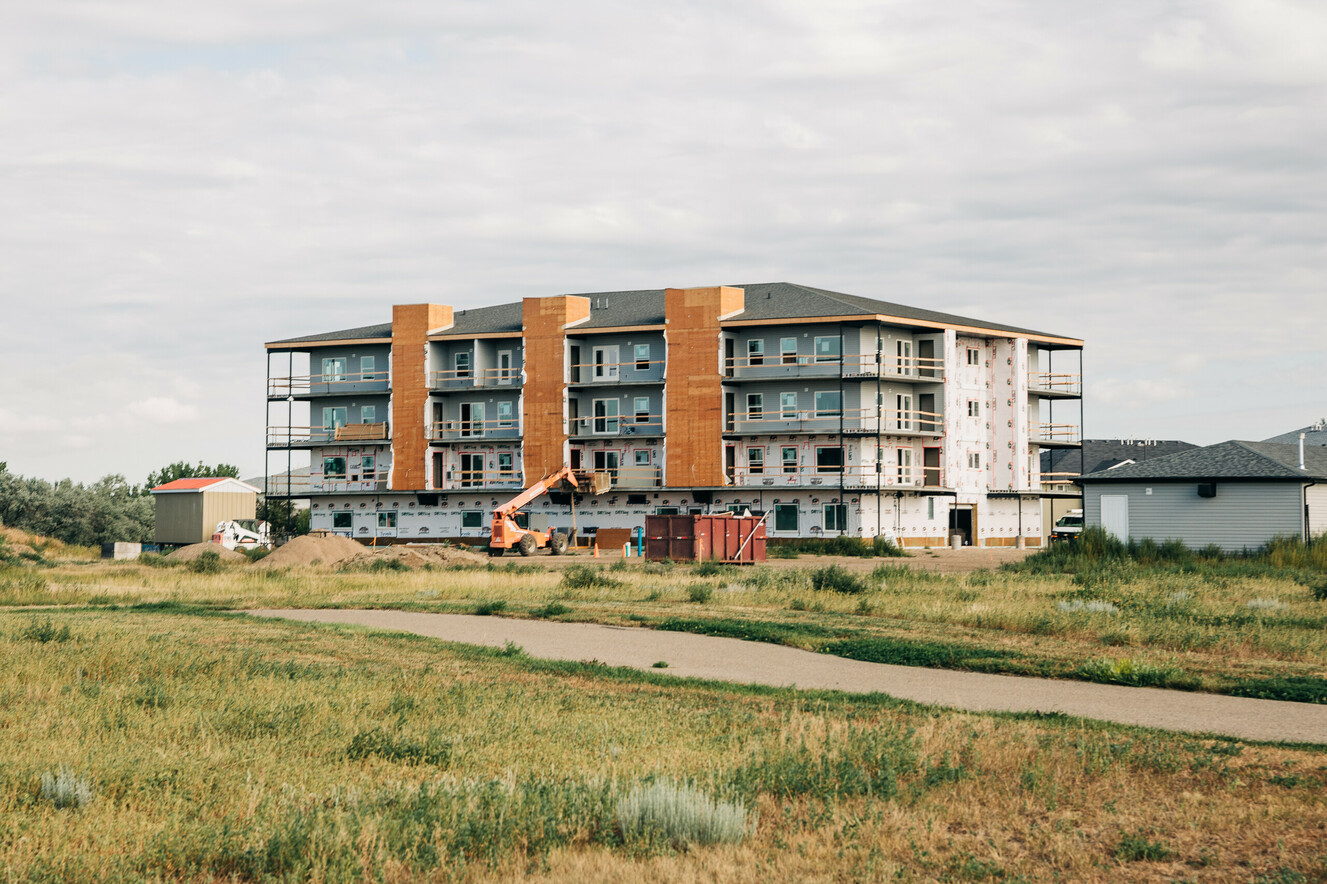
[643, 425]
[855, 422]
[890, 478]
[632, 478]
[1056, 435]
[1048, 385]
[304, 485]
[310, 385]
[295, 437]
[467, 379]
[914, 369]
[1058, 483]
[458, 430]
[461, 480]
[600, 374]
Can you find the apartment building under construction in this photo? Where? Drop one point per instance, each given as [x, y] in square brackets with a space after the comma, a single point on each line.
[834, 414]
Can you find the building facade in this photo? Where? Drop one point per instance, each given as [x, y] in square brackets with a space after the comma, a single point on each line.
[834, 414]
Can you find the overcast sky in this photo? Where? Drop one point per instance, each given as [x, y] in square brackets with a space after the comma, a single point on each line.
[181, 182]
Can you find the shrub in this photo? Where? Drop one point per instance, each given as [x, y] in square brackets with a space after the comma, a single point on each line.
[1091, 606]
[680, 815]
[208, 562]
[708, 569]
[155, 560]
[699, 593]
[862, 761]
[65, 789]
[587, 577]
[380, 744]
[1135, 847]
[254, 553]
[488, 608]
[836, 546]
[553, 609]
[44, 632]
[1126, 670]
[836, 579]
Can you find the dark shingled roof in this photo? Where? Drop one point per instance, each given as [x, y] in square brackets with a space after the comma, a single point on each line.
[767, 300]
[383, 330]
[1225, 460]
[1102, 454]
[1315, 434]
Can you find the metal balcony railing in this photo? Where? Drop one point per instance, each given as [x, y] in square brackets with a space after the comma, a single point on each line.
[892, 477]
[884, 365]
[857, 421]
[280, 436]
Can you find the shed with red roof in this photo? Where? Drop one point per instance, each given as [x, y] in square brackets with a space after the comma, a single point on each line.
[188, 510]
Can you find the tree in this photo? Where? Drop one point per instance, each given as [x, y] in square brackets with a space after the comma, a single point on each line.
[184, 470]
[109, 509]
[284, 519]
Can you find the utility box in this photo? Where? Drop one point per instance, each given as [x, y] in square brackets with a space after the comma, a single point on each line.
[705, 538]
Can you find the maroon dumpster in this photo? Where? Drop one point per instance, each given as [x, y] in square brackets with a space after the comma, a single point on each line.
[697, 538]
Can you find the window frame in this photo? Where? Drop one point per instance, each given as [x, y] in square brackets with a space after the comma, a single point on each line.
[334, 369]
[755, 460]
[974, 460]
[758, 411]
[606, 424]
[642, 361]
[974, 408]
[904, 461]
[368, 366]
[349, 520]
[840, 511]
[974, 356]
[330, 416]
[478, 518]
[509, 469]
[368, 414]
[387, 519]
[786, 413]
[783, 459]
[641, 417]
[786, 507]
[333, 459]
[463, 370]
[788, 355]
[636, 457]
[836, 356]
[828, 469]
[837, 411]
[509, 420]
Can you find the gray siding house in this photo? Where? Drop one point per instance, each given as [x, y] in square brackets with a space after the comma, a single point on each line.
[1236, 495]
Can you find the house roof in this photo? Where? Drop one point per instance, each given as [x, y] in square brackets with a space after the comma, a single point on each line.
[1225, 460]
[1314, 434]
[763, 301]
[212, 483]
[1102, 454]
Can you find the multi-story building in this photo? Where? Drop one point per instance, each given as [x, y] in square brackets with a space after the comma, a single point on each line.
[834, 414]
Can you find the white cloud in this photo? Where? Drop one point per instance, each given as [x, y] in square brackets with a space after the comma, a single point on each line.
[12, 424]
[162, 410]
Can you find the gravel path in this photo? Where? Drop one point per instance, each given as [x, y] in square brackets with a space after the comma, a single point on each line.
[744, 662]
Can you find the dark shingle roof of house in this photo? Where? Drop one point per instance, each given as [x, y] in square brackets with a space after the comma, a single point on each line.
[1314, 434]
[1102, 454]
[771, 300]
[1225, 460]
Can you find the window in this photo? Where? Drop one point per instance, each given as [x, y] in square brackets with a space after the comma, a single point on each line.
[755, 352]
[334, 369]
[788, 406]
[642, 352]
[367, 364]
[828, 403]
[505, 464]
[605, 363]
[607, 462]
[974, 408]
[974, 460]
[387, 520]
[334, 417]
[974, 356]
[905, 357]
[788, 350]
[504, 367]
[462, 363]
[930, 508]
[605, 416]
[505, 419]
[642, 456]
[367, 464]
[755, 406]
[472, 518]
[755, 461]
[827, 348]
[829, 459]
[368, 414]
[905, 466]
[904, 403]
[334, 467]
[788, 455]
[785, 517]
[342, 520]
[836, 517]
[665, 510]
[642, 409]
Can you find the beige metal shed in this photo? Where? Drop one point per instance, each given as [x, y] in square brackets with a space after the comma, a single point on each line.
[188, 510]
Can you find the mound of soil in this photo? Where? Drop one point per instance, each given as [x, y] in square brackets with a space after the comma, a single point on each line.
[194, 550]
[326, 549]
[417, 555]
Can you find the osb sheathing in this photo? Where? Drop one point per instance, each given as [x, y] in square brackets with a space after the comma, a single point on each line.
[410, 391]
[544, 394]
[693, 388]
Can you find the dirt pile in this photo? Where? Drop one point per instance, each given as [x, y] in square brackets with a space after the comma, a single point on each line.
[194, 550]
[323, 549]
[419, 555]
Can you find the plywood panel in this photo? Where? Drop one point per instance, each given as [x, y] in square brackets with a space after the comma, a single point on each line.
[693, 386]
[544, 322]
[410, 392]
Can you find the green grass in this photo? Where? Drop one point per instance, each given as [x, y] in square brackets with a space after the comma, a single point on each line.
[877, 547]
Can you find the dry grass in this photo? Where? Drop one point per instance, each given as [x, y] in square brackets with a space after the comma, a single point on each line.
[218, 747]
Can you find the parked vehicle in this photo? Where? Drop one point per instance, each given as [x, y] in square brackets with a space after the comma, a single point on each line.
[243, 534]
[1069, 526]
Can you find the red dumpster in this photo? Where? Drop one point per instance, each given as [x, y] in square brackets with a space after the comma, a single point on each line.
[699, 538]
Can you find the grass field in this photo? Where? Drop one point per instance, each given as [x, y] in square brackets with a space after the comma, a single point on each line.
[205, 747]
[1252, 629]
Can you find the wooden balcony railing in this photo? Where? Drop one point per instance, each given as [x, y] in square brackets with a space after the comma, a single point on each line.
[1061, 434]
[451, 430]
[455, 479]
[375, 432]
[890, 476]
[624, 425]
[469, 377]
[884, 365]
[328, 384]
[855, 420]
[1050, 382]
[646, 371]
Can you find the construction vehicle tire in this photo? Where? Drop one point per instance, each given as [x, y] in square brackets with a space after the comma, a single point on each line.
[527, 544]
[557, 543]
[496, 550]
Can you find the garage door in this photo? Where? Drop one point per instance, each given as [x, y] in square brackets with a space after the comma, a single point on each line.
[1115, 515]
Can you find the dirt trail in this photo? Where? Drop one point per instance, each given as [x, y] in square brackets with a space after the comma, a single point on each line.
[700, 656]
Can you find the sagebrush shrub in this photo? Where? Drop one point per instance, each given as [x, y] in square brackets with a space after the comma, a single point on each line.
[680, 815]
[65, 788]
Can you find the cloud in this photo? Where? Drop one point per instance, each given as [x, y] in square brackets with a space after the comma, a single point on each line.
[162, 410]
[12, 424]
[1140, 391]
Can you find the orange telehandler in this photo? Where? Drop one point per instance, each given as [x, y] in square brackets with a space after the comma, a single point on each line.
[506, 533]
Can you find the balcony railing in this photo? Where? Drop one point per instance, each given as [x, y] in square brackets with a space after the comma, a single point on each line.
[281, 436]
[452, 430]
[1055, 384]
[858, 421]
[1058, 482]
[908, 368]
[629, 478]
[646, 371]
[626, 425]
[467, 378]
[304, 484]
[328, 384]
[454, 479]
[1056, 434]
[892, 477]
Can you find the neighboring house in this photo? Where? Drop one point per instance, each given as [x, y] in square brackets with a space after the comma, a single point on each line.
[1314, 434]
[1064, 465]
[1236, 495]
[834, 414]
[188, 510]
